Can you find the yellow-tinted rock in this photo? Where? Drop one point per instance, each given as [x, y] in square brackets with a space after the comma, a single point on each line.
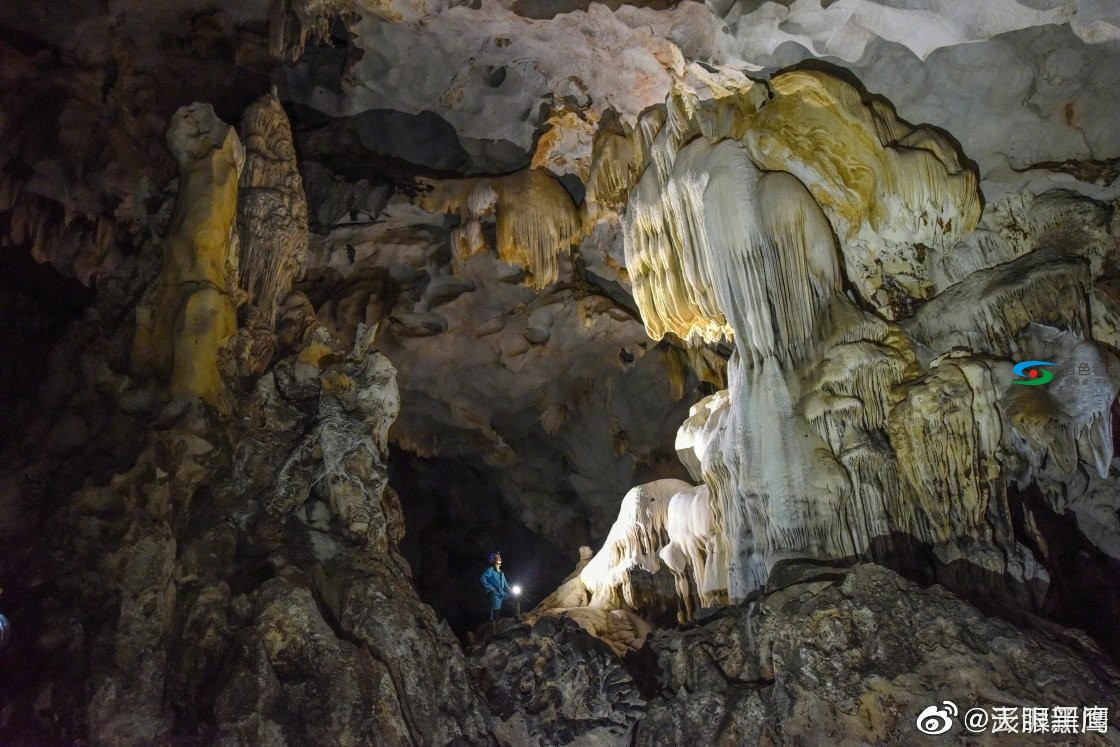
[536, 219]
[886, 189]
[187, 315]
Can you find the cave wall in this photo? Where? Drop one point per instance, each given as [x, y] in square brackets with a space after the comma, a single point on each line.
[468, 243]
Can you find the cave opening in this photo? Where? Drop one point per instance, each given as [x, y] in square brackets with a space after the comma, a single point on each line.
[455, 516]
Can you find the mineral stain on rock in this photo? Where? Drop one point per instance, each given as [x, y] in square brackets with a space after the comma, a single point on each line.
[335, 299]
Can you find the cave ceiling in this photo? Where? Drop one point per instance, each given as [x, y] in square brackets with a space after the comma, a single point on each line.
[436, 139]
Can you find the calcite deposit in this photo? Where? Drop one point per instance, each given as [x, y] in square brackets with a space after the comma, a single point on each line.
[842, 429]
[272, 212]
[188, 314]
[309, 306]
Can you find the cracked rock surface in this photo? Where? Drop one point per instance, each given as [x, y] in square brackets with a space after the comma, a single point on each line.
[840, 655]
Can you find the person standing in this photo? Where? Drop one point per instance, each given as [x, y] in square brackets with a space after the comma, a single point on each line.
[5, 629]
[495, 584]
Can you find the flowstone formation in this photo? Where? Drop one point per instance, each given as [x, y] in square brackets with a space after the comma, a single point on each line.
[872, 411]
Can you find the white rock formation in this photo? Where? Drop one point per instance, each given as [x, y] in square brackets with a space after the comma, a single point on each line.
[841, 429]
[633, 542]
[693, 548]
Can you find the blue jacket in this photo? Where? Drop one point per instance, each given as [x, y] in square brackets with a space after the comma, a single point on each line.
[495, 584]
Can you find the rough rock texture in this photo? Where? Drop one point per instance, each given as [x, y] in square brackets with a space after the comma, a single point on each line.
[272, 209]
[947, 66]
[558, 684]
[817, 169]
[839, 655]
[86, 99]
[899, 198]
[506, 101]
[183, 585]
[559, 393]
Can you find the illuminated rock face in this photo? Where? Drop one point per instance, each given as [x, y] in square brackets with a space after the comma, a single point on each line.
[188, 314]
[236, 575]
[272, 210]
[881, 187]
[536, 221]
[842, 433]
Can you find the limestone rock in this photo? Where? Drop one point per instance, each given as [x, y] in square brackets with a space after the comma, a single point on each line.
[855, 658]
[341, 690]
[188, 314]
[181, 596]
[272, 210]
[842, 432]
[347, 449]
[202, 579]
[553, 681]
[536, 220]
[839, 655]
[499, 371]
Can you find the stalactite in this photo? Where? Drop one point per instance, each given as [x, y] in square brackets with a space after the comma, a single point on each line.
[713, 235]
[676, 372]
[536, 223]
[884, 186]
[536, 220]
[616, 163]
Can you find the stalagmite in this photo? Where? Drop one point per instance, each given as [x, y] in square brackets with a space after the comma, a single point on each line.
[187, 315]
[632, 542]
[272, 210]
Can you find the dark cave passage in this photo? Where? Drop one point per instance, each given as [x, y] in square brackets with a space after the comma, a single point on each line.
[454, 517]
[36, 305]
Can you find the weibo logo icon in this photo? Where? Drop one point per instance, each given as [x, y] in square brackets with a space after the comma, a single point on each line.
[1035, 376]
